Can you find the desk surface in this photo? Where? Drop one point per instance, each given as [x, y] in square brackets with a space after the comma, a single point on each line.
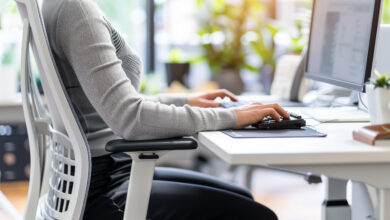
[338, 147]
[11, 112]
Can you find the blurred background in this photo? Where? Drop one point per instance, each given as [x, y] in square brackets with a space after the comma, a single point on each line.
[190, 41]
[186, 46]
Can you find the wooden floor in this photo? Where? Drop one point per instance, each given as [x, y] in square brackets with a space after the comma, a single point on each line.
[16, 192]
[288, 195]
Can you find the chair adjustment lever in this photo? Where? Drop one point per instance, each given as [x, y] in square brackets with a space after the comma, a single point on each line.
[312, 178]
[148, 157]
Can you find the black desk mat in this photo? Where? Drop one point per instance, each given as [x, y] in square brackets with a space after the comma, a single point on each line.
[250, 132]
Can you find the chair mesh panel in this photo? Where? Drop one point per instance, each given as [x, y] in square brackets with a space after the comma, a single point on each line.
[63, 166]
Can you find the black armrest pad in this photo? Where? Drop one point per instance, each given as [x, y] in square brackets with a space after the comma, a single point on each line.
[122, 145]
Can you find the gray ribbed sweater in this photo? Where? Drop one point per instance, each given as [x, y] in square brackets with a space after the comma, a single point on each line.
[102, 75]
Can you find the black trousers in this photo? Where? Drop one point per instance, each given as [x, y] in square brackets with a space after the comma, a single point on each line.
[176, 194]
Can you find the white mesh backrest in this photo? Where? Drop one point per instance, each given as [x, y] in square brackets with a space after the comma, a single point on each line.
[62, 181]
[70, 153]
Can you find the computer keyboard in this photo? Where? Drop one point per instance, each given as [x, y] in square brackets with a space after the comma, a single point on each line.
[294, 122]
[230, 104]
[283, 103]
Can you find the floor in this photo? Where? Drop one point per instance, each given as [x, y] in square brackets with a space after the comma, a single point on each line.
[287, 194]
[16, 192]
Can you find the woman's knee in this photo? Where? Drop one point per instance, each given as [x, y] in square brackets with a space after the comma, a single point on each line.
[192, 177]
[174, 200]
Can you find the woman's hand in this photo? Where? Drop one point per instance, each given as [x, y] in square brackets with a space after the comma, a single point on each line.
[206, 99]
[250, 114]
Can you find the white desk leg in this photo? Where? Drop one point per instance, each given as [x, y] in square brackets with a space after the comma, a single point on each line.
[335, 205]
[384, 204]
[362, 207]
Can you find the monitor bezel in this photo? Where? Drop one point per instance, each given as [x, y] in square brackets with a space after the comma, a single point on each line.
[370, 55]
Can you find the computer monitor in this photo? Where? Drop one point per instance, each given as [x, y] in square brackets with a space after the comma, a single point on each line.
[382, 55]
[342, 42]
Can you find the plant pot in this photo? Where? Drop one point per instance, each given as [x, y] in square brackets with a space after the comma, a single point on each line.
[177, 72]
[378, 104]
[230, 80]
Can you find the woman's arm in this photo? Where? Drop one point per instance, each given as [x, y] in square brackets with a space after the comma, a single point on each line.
[201, 99]
[86, 42]
[169, 99]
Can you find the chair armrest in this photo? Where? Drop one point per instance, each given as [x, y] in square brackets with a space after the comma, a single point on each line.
[144, 155]
[121, 145]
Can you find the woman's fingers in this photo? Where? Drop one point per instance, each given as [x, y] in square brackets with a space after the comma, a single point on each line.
[251, 114]
[222, 93]
[256, 103]
[209, 103]
[277, 107]
[269, 112]
[206, 99]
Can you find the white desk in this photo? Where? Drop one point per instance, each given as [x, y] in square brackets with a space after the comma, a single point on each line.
[337, 155]
[11, 112]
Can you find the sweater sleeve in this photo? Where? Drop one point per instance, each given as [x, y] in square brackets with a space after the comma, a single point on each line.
[85, 40]
[177, 99]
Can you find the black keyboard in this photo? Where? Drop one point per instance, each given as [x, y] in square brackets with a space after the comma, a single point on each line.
[294, 122]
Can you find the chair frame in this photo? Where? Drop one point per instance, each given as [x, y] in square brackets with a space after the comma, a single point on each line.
[62, 124]
[38, 124]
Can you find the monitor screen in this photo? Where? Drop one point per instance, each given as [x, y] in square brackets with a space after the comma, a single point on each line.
[342, 42]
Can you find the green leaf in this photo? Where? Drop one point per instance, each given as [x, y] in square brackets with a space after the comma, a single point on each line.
[386, 12]
[378, 75]
[199, 2]
[176, 55]
[250, 67]
[197, 60]
[386, 129]
[219, 5]
[272, 29]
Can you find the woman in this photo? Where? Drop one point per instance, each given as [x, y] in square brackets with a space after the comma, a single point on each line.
[101, 74]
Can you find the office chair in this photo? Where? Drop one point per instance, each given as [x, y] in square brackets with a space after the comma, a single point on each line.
[59, 151]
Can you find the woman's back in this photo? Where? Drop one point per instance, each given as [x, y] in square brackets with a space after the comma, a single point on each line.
[53, 12]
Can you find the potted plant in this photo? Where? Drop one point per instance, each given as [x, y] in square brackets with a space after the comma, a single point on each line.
[266, 52]
[378, 96]
[299, 38]
[177, 68]
[224, 39]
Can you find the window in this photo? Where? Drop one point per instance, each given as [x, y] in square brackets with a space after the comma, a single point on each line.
[177, 23]
[129, 18]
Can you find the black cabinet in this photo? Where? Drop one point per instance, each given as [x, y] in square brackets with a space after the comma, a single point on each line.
[14, 153]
